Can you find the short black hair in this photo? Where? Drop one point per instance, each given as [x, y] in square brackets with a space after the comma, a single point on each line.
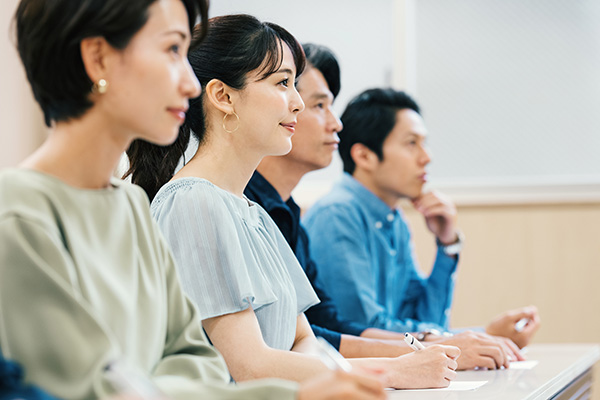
[369, 118]
[323, 59]
[49, 33]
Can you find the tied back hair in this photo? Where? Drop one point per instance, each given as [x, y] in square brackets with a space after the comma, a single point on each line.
[234, 46]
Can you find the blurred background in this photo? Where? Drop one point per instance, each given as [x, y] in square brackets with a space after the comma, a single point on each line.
[509, 91]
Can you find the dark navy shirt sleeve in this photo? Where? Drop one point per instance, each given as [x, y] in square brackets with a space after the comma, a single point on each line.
[334, 338]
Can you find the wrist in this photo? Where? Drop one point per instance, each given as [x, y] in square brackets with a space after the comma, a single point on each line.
[452, 248]
[448, 239]
[387, 377]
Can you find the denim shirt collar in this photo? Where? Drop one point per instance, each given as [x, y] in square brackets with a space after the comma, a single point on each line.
[377, 208]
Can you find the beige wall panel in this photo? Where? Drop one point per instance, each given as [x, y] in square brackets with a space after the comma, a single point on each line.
[547, 255]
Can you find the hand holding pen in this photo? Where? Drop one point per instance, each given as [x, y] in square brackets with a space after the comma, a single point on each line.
[519, 325]
[436, 365]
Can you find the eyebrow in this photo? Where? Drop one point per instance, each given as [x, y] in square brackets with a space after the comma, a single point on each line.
[318, 96]
[284, 71]
[183, 35]
[417, 135]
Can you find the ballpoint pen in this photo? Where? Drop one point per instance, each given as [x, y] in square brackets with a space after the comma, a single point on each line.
[521, 324]
[330, 356]
[413, 342]
[129, 382]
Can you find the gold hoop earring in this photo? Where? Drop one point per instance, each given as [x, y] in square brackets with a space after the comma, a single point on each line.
[100, 87]
[225, 120]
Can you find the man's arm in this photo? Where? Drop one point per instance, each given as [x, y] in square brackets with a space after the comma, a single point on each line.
[430, 299]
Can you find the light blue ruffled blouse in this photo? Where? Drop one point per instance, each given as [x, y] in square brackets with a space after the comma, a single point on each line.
[231, 255]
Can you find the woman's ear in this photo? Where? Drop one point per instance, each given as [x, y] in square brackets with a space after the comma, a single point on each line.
[363, 157]
[219, 95]
[95, 54]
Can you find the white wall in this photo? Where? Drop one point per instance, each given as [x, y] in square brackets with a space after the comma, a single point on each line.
[22, 124]
[360, 33]
[510, 89]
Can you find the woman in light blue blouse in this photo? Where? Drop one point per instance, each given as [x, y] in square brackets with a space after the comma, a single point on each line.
[233, 261]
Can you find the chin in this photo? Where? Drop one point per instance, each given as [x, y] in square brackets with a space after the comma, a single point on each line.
[167, 140]
[283, 150]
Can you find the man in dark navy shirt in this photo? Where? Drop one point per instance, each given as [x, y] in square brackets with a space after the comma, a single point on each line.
[271, 186]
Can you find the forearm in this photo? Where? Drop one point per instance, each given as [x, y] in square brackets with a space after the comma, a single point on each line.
[375, 333]
[386, 368]
[271, 363]
[355, 347]
[437, 292]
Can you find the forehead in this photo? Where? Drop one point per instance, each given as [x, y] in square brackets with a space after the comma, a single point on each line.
[284, 59]
[408, 122]
[165, 16]
[312, 82]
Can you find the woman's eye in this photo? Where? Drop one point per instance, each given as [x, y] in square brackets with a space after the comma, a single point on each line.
[284, 82]
[174, 48]
[320, 105]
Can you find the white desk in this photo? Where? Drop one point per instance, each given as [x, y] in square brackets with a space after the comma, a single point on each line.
[563, 372]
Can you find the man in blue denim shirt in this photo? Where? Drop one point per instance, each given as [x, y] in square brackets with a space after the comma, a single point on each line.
[359, 236]
[314, 142]
[360, 239]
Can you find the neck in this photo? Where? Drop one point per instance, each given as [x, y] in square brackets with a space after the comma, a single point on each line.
[282, 174]
[223, 162]
[366, 179]
[83, 153]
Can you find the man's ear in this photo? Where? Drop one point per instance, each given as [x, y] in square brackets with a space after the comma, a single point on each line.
[96, 54]
[219, 95]
[363, 157]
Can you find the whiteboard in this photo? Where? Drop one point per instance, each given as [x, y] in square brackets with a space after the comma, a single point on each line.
[510, 90]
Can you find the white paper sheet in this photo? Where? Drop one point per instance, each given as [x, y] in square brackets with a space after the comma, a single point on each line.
[455, 386]
[529, 364]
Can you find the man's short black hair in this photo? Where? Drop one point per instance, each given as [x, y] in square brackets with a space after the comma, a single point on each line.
[323, 59]
[368, 119]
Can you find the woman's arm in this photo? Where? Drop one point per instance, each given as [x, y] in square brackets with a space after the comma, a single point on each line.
[239, 339]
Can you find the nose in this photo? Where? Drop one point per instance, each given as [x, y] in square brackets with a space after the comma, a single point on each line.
[189, 83]
[426, 156]
[296, 102]
[334, 121]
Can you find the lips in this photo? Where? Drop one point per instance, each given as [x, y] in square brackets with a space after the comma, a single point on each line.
[291, 126]
[178, 113]
[333, 143]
